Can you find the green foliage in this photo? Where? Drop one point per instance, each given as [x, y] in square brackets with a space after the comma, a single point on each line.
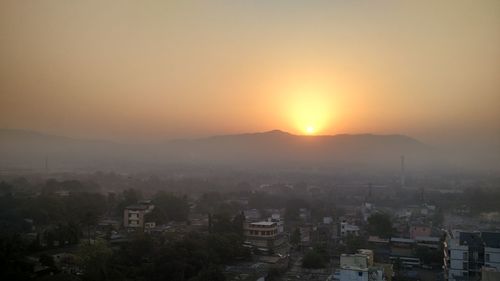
[208, 202]
[94, 259]
[262, 200]
[313, 259]
[380, 224]
[212, 273]
[481, 199]
[429, 256]
[169, 207]
[354, 243]
[295, 237]
[292, 208]
[223, 223]
[47, 260]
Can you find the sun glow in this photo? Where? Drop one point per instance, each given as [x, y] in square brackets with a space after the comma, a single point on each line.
[311, 111]
[310, 130]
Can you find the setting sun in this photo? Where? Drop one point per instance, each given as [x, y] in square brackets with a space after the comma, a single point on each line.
[310, 130]
[310, 109]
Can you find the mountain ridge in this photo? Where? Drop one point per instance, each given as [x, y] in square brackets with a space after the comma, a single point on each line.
[273, 148]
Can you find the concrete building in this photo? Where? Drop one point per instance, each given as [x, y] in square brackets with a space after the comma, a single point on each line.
[420, 230]
[280, 222]
[491, 250]
[133, 215]
[348, 229]
[264, 236]
[360, 267]
[490, 274]
[252, 215]
[467, 253]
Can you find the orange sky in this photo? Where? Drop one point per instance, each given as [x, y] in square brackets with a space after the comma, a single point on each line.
[139, 70]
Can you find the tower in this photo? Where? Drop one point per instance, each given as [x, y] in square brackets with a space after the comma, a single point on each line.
[46, 164]
[402, 171]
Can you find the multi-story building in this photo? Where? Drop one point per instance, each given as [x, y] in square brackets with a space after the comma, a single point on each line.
[265, 236]
[133, 215]
[360, 267]
[468, 253]
[491, 250]
[420, 230]
[348, 229]
[280, 222]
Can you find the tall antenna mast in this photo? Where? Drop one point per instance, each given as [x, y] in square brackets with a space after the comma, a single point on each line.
[403, 171]
[46, 164]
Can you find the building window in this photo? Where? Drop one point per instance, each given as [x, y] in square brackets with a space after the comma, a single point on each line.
[465, 256]
[487, 257]
[465, 266]
[360, 273]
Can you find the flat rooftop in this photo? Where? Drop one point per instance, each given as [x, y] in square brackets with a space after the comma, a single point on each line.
[266, 223]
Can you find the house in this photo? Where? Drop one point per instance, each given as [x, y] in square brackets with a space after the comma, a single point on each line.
[360, 267]
[280, 222]
[420, 230]
[133, 215]
[265, 236]
[348, 229]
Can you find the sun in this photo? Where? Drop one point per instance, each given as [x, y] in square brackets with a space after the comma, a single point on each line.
[310, 130]
[309, 106]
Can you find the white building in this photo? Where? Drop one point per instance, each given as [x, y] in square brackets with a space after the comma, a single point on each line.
[348, 229]
[360, 267]
[491, 250]
[467, 253]
[133, 215]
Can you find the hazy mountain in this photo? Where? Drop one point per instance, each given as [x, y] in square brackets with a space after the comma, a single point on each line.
[271, 149]
[28, 149]
[278, 148]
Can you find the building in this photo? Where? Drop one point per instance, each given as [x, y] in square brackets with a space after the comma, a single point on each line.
[491, 250]
[490, 274]
[360, 267]
[348, 229]
[402, 251]
[468, 253]
[133, 215]
[252, 215]
[265, 237]
[420, 230]
[280, 222]
[429, 242]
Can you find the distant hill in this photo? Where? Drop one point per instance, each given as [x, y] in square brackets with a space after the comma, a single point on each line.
[278, 148]
[265, 150]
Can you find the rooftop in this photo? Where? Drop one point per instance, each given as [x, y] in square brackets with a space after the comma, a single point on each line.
[137, 207]
[402, 240]
[266, 223]
[491, 239]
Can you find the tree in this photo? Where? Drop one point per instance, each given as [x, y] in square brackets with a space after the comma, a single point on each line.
[354, 243]
[292, 208]
[94, 258]
[295, 237]
[212, 273]
[47, 260]
[169, 207]
[313, 259]
[429, 256]
[380, 224]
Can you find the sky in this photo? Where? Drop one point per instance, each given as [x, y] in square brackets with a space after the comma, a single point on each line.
[150, 70]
